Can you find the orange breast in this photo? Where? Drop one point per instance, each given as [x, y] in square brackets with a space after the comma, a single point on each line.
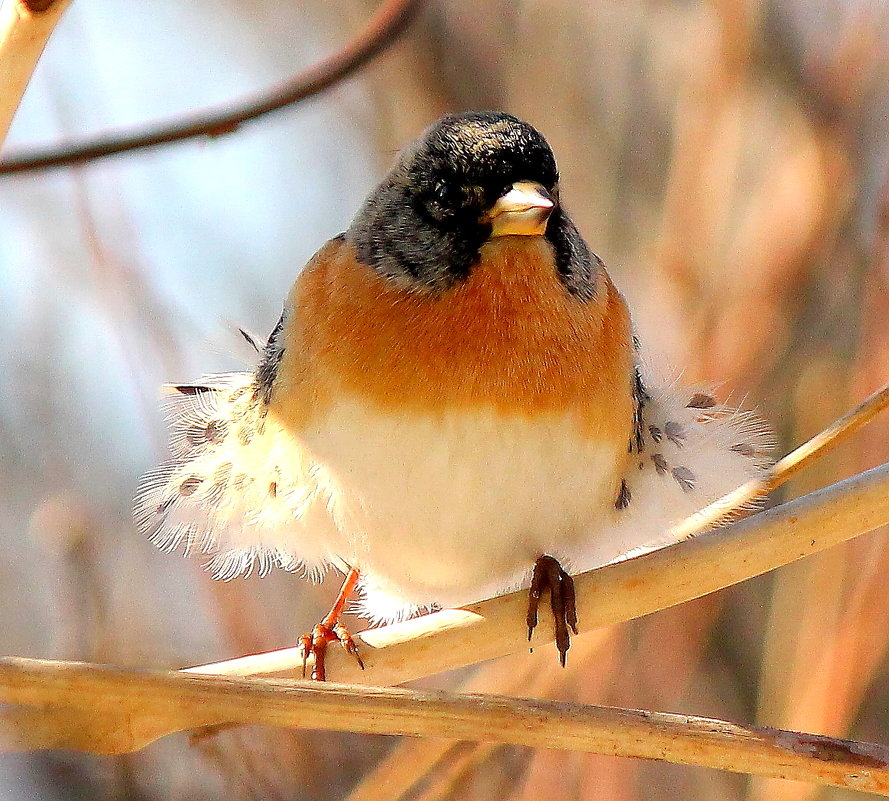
[509, 337]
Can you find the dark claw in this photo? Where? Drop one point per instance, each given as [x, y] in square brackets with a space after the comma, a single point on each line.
[548, 574]
[570, 601]
[538, 582]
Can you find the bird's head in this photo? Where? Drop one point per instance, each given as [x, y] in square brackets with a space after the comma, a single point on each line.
[467, 179]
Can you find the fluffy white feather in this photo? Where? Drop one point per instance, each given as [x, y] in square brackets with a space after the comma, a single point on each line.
[695, 450]
[237, 487]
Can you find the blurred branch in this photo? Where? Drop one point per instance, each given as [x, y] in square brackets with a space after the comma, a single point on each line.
[127, 709]
[25, 28]
[383, 29]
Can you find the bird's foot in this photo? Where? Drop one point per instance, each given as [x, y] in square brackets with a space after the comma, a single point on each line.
[315, 645]
[549, 575]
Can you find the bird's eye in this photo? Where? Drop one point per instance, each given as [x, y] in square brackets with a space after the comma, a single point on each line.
[440, 201]
[441, 192]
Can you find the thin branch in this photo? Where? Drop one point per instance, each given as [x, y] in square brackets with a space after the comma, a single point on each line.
[25, 28]
[128, 709]
[613, 594]
[384, 28]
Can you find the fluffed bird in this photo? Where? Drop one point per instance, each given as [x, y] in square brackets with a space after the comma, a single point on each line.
[452, 404]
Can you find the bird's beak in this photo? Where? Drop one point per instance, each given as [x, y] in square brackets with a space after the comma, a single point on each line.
[523, 210]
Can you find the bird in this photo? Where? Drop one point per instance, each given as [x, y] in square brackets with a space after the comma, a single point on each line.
[453, 404]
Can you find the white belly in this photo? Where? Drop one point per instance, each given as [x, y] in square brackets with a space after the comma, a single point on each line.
[452, 508]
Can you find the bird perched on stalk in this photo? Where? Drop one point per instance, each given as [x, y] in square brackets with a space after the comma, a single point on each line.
[452, 404]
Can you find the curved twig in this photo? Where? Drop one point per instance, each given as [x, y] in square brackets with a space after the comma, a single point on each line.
[390, 19]
[25, 28]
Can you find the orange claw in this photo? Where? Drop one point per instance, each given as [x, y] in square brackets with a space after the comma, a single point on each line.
[330, 630]
[315, 644]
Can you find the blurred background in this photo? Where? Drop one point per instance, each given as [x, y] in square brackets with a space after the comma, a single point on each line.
[728, 161]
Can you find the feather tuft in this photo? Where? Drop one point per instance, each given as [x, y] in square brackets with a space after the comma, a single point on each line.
[701, 449]
[222, 493]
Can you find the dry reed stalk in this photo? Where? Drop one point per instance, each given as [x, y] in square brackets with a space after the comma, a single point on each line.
[25, 28]
[618, 592]
[111, 710]
[597, 674]
[830, 622]
[863, 631]
[401, 769]
[836, 613]
[791, 464]
[806, 600]
[446, 782]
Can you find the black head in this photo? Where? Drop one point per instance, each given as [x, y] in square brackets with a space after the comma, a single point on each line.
[425, 223]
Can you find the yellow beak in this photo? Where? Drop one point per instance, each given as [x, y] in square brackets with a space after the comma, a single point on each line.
[522, 211]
